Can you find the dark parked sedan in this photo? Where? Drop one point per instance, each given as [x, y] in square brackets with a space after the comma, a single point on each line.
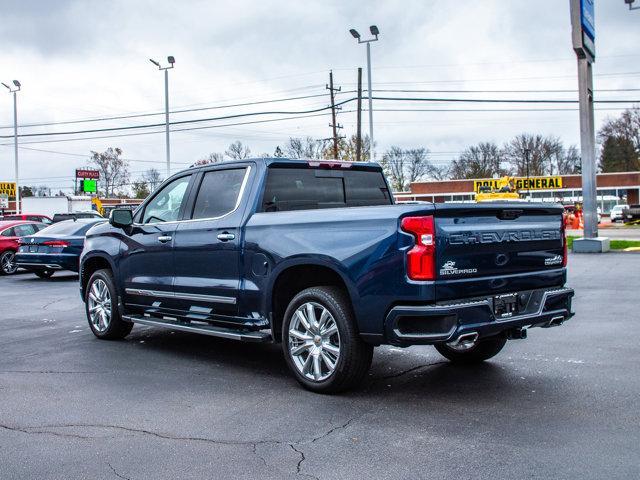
[57, 247]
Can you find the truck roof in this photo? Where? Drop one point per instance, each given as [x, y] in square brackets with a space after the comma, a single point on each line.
[269, 161]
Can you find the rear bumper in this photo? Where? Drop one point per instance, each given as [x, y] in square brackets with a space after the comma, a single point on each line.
[42, 261]
[441, 322]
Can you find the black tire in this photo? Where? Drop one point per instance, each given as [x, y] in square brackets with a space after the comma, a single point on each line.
[7, 263]
[44, 273]
[355, 355]
[117, 328]
[483, 350]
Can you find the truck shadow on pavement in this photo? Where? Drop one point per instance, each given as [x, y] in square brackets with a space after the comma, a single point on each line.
[429, 376]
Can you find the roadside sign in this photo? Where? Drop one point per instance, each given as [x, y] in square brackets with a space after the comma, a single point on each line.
[4, 202]
[89, 186]
[522, 183]
[87, 173]
[583, 28]
[587, 18]
[8, 188]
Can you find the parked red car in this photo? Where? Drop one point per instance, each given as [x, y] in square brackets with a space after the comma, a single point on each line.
[10, 232]
[31, 217]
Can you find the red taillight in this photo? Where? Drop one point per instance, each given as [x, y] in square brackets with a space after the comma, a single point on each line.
[56, 243]
[421, 259]
[564, 244]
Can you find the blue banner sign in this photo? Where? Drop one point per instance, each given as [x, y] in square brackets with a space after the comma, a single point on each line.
[587, 18]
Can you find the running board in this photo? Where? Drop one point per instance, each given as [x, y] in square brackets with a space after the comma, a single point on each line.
[243, 336]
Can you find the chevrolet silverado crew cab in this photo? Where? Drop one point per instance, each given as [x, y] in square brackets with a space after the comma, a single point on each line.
[316, 255]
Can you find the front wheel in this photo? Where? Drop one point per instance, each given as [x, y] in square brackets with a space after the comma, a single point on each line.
[474, 352]
[321, 344]
[102, 308]
[8, 264]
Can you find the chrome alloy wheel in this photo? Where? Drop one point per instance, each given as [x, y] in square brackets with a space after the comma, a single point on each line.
[314, 341]
[99, 305]
[8, 263]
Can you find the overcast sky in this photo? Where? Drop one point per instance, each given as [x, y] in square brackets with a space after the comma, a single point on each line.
[89, 59]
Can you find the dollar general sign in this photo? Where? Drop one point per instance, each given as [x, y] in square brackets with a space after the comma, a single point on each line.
[8, 188]
[522, 183]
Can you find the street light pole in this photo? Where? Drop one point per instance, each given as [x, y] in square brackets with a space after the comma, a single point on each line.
[15, 91]
[171, 61]
[375, 32]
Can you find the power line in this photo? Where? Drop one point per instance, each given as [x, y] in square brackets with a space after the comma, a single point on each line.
[172, 130]
[301, 112]
[142, 115]
[178, 122]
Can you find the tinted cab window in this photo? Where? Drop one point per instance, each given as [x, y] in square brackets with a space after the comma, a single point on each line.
[219, 193]
[305, 189]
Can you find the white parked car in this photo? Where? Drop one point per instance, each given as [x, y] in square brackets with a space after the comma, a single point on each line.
[616, 213]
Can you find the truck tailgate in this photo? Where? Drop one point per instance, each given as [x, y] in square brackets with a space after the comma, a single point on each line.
[497, 248]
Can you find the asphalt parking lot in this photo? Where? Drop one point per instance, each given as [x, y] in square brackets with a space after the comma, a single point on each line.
[564, 403]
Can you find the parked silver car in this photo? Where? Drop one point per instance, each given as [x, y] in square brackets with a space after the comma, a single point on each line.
[616, 213]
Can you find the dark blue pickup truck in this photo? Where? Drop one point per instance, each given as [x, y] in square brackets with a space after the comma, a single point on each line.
[316, 255]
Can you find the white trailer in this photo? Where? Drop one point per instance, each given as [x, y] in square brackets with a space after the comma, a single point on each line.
[49, 206]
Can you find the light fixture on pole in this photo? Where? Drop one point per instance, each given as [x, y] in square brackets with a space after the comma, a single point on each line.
[375, 32]
[171, 60]
[14, 91]
[630, 3]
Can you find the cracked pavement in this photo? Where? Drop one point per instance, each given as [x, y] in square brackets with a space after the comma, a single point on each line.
[562, 404]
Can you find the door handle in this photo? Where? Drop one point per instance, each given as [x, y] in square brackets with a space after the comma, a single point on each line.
[226, 236]
[164, 238]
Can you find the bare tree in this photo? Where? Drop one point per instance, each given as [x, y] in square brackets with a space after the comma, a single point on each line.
[114, 170]
[238, 151]
[542, 151]
[211, 158]
[569, 162]
[153, 178]
[483, 160]
[403, 167]
[347, 149]
[306, 147]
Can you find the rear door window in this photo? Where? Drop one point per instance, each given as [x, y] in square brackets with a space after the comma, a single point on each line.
[9, 232]
[219, 193]
[23, 230]
[307, 189]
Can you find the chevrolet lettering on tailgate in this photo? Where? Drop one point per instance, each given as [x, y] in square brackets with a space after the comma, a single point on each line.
[466, 238]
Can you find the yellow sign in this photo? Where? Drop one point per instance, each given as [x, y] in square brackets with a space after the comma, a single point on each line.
[521, 183]
[8, 188]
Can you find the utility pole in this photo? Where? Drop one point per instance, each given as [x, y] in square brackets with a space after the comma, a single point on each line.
[171, 61]
[359, 119]
[15, 91]
[334, 125]
[375, 32]
[583, 34]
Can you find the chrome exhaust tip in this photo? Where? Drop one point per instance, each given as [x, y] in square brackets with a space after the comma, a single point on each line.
[555, 321]
[464, 341]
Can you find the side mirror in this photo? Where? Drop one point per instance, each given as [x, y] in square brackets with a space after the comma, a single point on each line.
[121, 217]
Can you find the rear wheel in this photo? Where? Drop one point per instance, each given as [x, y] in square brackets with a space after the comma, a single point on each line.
[321, 344]
[102, 308]
[472, 352]
[44, 273]
[8, 263]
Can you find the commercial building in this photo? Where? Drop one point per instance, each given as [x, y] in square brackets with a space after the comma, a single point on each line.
[612, 189]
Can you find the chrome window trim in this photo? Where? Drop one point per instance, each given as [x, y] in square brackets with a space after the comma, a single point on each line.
[181, 296]
[235, 208]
